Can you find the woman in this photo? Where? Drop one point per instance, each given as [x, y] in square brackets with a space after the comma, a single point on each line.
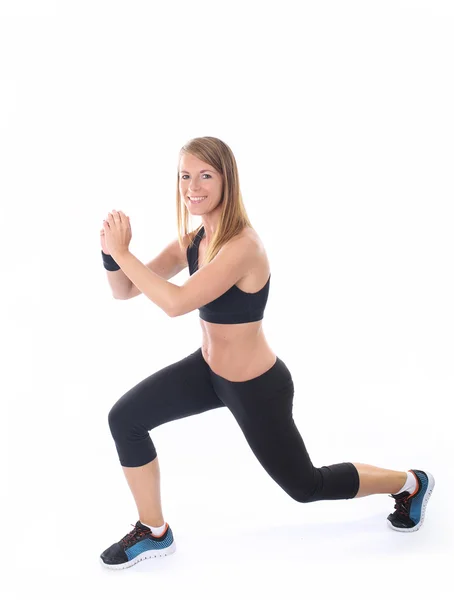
[235, 367]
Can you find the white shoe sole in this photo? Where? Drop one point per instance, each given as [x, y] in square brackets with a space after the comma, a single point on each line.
[143, 556]
[425, 500]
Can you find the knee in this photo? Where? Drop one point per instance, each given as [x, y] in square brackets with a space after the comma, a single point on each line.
[122, 423]
[132, 440]
[302, 495]
[116, 420]
[334, 482]
[307, 488]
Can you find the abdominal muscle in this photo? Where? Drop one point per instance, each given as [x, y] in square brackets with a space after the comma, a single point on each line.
[236, 352]
[239, 351]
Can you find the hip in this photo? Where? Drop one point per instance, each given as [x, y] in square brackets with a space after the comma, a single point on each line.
[270, 392]
[238, 363]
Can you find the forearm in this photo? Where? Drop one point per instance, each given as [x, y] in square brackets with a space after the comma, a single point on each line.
[120, 284]
[160, 291]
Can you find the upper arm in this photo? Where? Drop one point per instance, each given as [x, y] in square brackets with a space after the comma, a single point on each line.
[168, 263]
[230, 264]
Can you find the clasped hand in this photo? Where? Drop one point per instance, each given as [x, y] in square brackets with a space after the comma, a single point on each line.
[116, 233]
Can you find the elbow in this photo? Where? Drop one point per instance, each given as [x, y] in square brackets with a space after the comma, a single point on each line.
[172, 312]
[179, 311]
[174, 305]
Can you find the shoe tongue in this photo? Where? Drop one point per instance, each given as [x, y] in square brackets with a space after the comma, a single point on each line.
[400, 496]
[140, 525]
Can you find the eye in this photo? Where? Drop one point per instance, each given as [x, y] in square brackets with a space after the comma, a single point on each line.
[183, 176]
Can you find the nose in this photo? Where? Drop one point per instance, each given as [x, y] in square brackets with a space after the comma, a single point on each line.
[194, 185]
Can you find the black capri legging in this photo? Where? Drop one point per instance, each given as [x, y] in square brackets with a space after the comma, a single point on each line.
[262, 407]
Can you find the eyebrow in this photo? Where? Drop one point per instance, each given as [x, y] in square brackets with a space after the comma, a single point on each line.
[204, 171]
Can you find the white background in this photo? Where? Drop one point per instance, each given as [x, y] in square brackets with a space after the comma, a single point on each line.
[340, 117]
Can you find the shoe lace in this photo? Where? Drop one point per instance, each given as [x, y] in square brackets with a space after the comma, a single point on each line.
[402, 505]
[133, 536]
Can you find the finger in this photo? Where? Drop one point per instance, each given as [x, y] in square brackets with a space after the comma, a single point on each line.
[116, 216]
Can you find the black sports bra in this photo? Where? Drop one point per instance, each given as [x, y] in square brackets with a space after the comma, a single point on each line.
[235, 305]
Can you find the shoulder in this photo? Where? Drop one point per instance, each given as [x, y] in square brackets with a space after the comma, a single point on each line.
[245, 250]
[247, 236]
[245, 242]
[252, 240]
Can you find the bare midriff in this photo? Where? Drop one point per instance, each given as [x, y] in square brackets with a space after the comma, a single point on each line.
[236, 352]
[239, 351]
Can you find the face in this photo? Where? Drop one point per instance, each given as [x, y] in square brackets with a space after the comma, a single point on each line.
[200, 185]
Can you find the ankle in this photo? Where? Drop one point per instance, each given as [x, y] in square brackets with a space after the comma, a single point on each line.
[408, 485]
[152, 521]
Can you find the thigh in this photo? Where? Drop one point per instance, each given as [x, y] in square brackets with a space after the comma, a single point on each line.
[263, 408]
[178, 390]
[261, 403]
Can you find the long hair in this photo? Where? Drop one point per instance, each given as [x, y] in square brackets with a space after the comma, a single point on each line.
[233, 216]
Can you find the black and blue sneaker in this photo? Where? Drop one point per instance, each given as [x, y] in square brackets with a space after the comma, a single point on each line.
[139, 544]
[410, 508]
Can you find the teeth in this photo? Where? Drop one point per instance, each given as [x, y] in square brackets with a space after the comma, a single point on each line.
[197, 197]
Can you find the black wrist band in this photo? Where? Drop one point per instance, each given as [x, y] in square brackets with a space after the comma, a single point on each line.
[109, 262]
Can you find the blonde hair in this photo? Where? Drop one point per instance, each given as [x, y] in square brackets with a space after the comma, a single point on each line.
[233, 216]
